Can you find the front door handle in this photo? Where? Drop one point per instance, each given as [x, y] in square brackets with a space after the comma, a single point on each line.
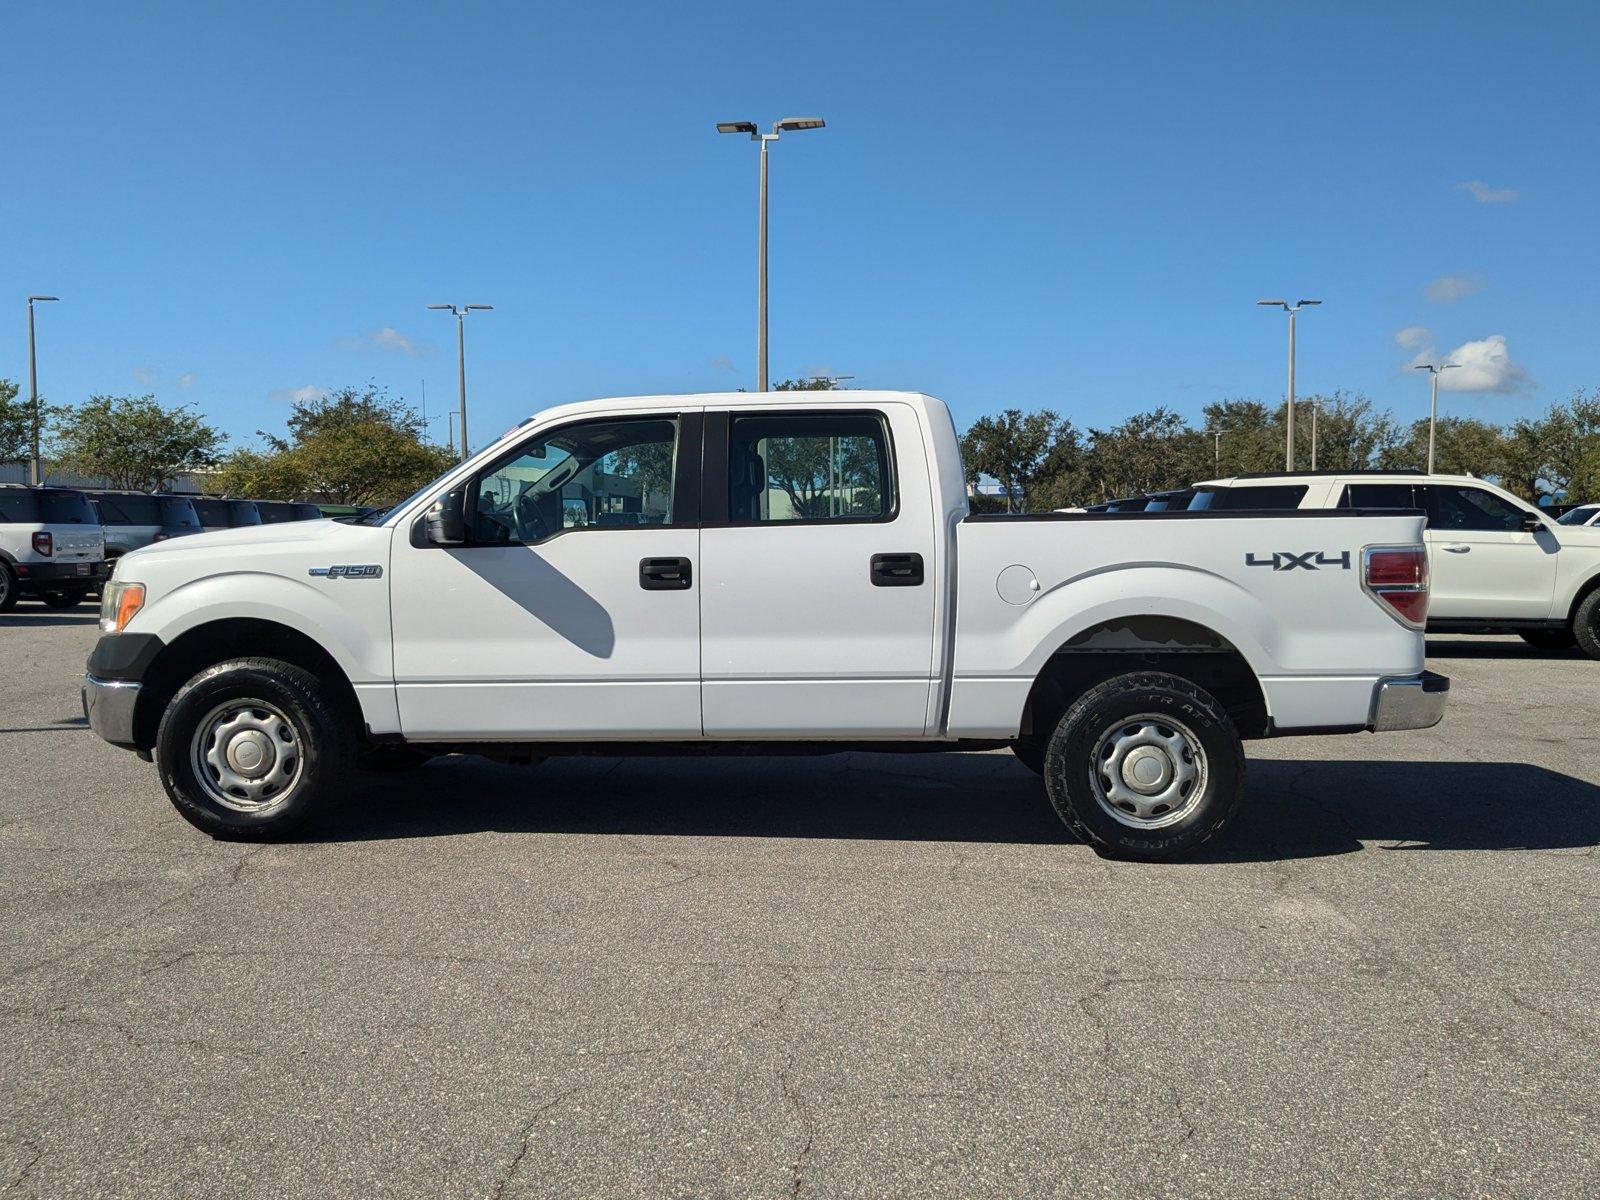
[664, 574]
[1457, 549]
[896, 570]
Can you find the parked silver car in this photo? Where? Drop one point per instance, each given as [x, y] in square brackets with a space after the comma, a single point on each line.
[217, 512]
[133, 520]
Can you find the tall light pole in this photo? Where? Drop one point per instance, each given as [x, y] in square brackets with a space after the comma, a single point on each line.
[1216, 446]
[790, 124]
[461, 312]
[1292, 309]
[35, 466]
[1433, 401]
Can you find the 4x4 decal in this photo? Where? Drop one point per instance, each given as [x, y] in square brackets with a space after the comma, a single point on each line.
[1311, 560]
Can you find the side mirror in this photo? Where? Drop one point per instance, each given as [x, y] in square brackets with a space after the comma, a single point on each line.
[446, 519]
[1532, 523]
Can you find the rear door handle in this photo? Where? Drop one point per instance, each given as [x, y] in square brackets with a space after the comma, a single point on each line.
[665, 574]
[896, 570]
[1457, 549]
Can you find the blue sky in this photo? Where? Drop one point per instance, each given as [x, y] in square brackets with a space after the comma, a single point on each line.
[1024, 205]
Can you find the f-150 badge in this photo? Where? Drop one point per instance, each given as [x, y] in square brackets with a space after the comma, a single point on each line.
[367, 572]
[1311, 560]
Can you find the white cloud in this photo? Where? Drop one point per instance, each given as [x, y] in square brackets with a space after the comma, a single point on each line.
[299, 395]
[1482, 366]
[1447, 289]
[1484, 194]
[1412, 337]
[145, 374]
[387, 338]
[187, 379]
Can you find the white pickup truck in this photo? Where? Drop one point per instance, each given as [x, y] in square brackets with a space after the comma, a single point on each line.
[739, 573]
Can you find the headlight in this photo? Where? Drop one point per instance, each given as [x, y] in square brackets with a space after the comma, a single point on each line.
[119, 602]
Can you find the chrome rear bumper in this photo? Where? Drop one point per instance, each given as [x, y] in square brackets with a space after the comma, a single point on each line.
[1409, 702]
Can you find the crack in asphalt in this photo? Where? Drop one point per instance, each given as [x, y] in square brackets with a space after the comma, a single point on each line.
[235, 870]
[525, 1140]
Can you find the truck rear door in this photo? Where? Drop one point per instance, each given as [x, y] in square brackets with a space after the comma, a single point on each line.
[817, 555]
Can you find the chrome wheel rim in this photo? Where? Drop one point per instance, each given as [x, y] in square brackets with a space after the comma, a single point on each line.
[1148, 771]
[247, 756]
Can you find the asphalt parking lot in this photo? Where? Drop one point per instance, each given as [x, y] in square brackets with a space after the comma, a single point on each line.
[844, 976]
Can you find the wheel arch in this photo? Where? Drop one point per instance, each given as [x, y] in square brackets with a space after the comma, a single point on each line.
[1120, 645]
[217, 641]
[1582, 593]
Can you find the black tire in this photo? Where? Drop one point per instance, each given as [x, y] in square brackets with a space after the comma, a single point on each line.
[65, 597]
[392, 758]
[1549, 639]
[1586, 624]
[268, 696]
[8, 587]
[1030, 755]
[1180, 733]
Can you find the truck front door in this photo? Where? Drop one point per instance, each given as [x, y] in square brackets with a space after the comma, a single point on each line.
[572, 612]
[817, 574]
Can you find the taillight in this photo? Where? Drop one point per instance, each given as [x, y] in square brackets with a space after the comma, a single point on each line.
[44, 543]
[1397, 576]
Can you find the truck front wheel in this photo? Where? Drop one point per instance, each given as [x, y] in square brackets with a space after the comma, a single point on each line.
[249, 748]
[1145, 766]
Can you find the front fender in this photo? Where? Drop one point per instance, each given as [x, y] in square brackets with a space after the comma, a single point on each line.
[350, 623]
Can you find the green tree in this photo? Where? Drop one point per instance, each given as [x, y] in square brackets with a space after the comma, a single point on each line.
[134, 441]
[1462, 446]
[1149, 452]
[1244, 436]
[16, 424]
[1017, 450]
[1351, 435]
[351, 446]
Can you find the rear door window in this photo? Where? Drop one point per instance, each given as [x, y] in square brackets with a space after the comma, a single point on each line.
[1380, 495]
[785, 469]
[1250, 499]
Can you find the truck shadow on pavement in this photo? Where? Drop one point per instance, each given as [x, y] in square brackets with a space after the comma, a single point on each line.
[1443, 648]
[1292, 809]
[44, 618]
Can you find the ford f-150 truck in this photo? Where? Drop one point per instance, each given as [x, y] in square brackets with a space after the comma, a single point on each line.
[748, 573]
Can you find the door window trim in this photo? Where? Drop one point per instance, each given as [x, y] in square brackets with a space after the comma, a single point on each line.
[715, 503]
[686, 486]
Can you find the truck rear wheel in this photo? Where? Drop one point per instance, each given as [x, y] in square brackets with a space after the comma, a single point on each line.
[1145, 766]
[249, 748]
[8, 587]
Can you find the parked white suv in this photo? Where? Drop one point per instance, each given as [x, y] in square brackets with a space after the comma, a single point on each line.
[1498, 564]
[51, 546]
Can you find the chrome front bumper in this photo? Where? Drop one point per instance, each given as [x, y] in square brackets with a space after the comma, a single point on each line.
[1409, 702]
[109, 705]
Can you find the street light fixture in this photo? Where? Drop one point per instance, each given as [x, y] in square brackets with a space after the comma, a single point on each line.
[1288, 457]
[461, 312]
[789, 125]
[35, 464]
[1433, 402]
